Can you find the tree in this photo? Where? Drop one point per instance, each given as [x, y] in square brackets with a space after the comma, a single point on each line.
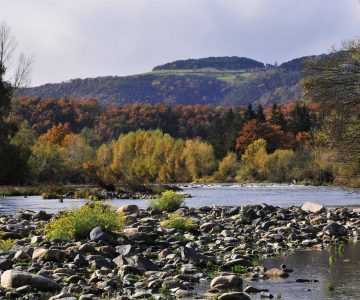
[277, 117]
[300, 119]
[273, 135]
[19, 73]
[260, 116]
[249, 113]
[228, 168]
[56, 134]
[333, 81]
[254, 159]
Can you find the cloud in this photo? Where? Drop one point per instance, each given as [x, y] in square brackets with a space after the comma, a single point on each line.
[89, 38]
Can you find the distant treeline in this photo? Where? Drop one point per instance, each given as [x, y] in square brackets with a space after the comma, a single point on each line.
[220, 63]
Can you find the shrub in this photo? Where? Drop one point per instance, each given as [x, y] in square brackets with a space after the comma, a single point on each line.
[178, 222]
[6, 245]
[79, 222]
[167, 201]
[52, 192]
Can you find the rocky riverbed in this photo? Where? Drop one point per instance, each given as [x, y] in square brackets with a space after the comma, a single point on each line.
[147, 261]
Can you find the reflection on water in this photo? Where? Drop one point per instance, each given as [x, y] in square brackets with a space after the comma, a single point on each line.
[206, 195]
[344, 274]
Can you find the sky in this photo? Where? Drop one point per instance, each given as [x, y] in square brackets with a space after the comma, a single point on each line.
[89, 38]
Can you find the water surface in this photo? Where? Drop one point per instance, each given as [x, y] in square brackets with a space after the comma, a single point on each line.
[205, 195]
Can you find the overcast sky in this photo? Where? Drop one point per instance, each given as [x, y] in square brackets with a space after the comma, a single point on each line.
[90, 38]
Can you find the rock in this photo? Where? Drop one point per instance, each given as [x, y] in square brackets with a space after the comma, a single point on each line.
[12, 279]
[275, 272]
[98, 234]
[141, 295]
[195, 256]
[313, 207]
[46, 254]
[5, 263]
[252, 290]
[266, 295]
[67, 296]
[41, 216]
[180, 293]
[229, 282]
[11, 235]
[335, 229]
[124, 250]
[234, 296]
[128, 209]
[144, 263]
[238, 262]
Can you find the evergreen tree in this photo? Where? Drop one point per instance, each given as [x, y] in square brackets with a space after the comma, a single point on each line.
[217, 139]
[232, 125]
[260, 116]
[249, 114]
[300, 119]
[277, 117]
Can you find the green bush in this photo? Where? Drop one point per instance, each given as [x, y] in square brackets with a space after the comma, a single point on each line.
[178, 222]
[79, 222]
[167, 201]
[6, 245]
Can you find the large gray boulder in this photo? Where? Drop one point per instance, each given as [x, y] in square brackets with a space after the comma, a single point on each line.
[311, 207]
[12, 279]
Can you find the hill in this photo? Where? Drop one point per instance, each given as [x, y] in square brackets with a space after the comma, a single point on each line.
[208, 81]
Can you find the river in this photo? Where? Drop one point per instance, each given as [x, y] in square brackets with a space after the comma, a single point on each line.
[344, 274]
[205, 195]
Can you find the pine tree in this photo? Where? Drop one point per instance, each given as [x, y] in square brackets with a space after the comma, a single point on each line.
[277, 117]
[260, 116]
[300, 119]
[249, 114]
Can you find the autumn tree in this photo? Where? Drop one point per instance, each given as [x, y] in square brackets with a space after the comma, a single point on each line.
[273, 135]
[56, 134]
[228, 168]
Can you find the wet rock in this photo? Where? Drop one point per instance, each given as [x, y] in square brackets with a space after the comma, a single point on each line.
[313, 207]
[235, 296]
[13, 279]
[229, 282]
[275, 272]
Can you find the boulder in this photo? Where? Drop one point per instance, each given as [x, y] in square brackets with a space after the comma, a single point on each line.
[98, 234]
[12, 279]
[275, 272]
[311, 207]
[335, 229]
[229, 282]
[46, 254]
[234, 296]
[128, 209]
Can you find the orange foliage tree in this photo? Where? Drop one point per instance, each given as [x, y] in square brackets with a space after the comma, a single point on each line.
[273, 135]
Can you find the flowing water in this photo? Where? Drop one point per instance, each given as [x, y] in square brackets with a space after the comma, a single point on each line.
[344, 274]
[206, 195]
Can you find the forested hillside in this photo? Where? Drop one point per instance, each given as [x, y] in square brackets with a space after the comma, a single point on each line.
[226, 81]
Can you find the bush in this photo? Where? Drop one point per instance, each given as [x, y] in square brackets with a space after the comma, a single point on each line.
[79, 222]
[167, 201]
[6, 245]
[52, 191]
[178, 222]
